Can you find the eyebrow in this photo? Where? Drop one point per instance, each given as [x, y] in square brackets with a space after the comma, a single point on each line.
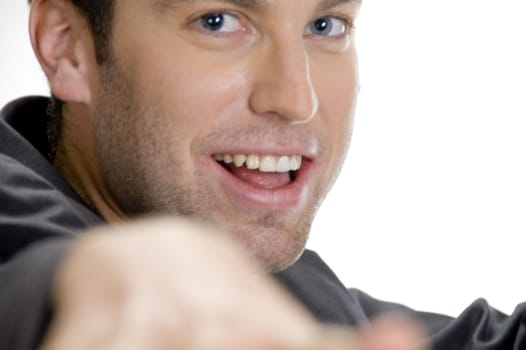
[328, 4]
[249, 4]
[259, 4]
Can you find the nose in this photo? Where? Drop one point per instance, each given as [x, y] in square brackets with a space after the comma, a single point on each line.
[283, 84]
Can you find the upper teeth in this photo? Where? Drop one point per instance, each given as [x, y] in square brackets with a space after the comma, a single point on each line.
[264, 163]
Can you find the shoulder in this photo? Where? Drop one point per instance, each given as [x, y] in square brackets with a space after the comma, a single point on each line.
[34, 208]
[314, 284]
[36, 202]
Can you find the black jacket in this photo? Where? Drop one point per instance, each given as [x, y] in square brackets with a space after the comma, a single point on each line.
[40, 215]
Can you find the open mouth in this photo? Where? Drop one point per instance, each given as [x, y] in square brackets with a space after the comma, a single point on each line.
[268, 172]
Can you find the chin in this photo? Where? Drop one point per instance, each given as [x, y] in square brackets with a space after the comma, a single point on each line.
[274, 250]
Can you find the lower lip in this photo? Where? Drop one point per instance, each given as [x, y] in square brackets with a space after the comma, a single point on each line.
[280, 198]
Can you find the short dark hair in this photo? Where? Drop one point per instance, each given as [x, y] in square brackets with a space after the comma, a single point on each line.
[99, 16]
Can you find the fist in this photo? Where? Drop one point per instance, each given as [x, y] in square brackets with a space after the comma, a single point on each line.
[176, 284]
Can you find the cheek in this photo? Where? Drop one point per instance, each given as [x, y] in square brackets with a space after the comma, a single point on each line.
[187, 84]
[337, 90]
[189, 100]
[200, 96]
[337, 93]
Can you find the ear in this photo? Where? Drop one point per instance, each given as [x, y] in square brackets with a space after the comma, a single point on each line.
[63, 46]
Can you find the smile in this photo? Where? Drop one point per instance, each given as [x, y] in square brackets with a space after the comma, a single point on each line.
[267, 164]
[264, 180]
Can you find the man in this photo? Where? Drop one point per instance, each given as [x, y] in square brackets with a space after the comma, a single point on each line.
[233, 114]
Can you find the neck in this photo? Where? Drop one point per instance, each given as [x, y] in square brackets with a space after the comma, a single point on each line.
[77, 162]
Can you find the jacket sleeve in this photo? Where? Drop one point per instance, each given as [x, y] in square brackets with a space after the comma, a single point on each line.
[25, 284]
[479, 327]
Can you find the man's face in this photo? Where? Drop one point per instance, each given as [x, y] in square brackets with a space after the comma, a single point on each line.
[208, 107]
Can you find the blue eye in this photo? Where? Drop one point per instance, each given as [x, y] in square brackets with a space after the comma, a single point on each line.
[220, 22]
[328, 26]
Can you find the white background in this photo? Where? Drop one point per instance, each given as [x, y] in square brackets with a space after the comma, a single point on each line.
[430, 209]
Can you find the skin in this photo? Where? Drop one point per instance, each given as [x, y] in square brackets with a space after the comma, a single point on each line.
[129, 299]
[139, 132]
[174, 93]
